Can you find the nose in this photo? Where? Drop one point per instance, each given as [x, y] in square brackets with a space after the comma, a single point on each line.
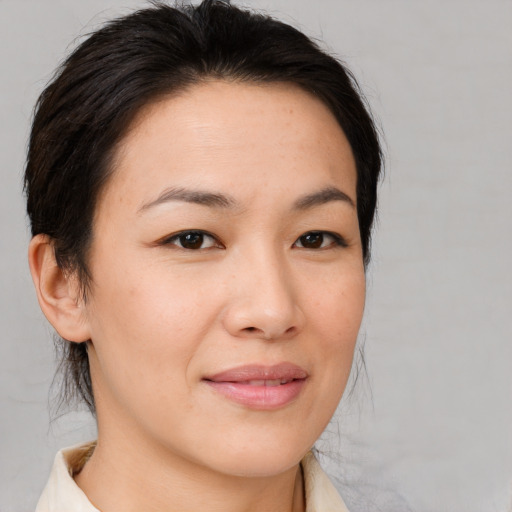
[264, 302]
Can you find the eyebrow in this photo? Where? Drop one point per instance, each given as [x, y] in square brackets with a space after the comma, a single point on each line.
[217, 200]
[209, 199]
[326, 195]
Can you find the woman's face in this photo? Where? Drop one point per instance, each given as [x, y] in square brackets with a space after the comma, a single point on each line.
[228, 283]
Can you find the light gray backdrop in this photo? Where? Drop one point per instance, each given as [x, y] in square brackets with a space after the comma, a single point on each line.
[437, 434]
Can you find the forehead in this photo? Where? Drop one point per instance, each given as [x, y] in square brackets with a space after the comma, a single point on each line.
[230, 134]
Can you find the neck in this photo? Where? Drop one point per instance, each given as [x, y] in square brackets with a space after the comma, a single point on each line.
[132, 476]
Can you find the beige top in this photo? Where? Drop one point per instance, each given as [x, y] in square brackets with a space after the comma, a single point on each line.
[61, 493]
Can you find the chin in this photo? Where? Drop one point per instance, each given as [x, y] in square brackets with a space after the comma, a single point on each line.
[254, 460]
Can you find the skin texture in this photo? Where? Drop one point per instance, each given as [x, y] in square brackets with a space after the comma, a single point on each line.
[161, 317]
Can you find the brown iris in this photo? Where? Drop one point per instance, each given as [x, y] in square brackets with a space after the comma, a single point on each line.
[191, 240]
[312, 240]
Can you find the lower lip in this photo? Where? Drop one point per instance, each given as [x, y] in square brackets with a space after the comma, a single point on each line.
[259, 397]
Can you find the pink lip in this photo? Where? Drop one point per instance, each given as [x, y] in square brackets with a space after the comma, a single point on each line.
[256, 386]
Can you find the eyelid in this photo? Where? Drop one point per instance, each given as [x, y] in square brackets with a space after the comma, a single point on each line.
[168, 239]
[338, 240]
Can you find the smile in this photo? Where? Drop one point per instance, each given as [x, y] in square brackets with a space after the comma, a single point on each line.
[274, 382]
[260, 387]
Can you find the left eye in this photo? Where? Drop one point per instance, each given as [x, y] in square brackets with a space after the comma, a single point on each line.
[192, 240]
[319, 240]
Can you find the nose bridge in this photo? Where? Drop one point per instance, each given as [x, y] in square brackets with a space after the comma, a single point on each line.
[264, 303]
[273, 284]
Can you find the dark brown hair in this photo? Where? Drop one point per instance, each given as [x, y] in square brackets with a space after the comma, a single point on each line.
[86, 109]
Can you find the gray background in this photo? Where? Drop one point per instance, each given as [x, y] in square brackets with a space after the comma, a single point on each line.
[433, 426]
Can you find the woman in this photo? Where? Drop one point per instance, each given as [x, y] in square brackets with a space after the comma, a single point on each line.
[201, 184]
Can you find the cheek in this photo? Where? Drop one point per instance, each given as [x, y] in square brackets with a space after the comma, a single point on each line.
[337, 307]
[145, 326]
[146, 297]
[336, 314]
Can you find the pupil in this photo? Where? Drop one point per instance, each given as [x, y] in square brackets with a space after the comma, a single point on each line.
[312, 240]
[191, 240]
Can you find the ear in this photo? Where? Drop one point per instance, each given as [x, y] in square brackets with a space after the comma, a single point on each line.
[58, 293]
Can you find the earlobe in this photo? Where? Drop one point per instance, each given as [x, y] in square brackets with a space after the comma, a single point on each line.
[57, 292]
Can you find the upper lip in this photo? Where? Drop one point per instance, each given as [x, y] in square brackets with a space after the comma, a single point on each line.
[283, 371]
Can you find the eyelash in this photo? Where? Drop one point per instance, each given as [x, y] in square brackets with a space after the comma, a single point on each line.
[337, 240]
[176, 237]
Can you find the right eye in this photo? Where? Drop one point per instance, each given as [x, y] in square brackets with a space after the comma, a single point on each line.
[192, 240]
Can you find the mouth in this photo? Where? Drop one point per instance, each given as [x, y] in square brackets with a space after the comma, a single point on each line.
[270, 382]
[260, 387]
